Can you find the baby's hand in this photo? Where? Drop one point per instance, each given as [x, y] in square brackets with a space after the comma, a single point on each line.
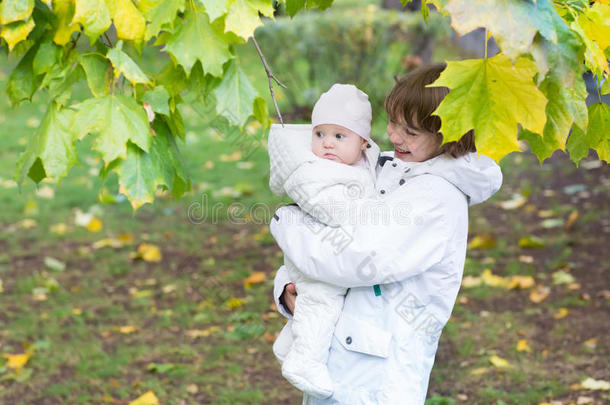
[289, 297]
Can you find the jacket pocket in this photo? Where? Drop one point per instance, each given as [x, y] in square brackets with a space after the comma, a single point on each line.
[360, 336]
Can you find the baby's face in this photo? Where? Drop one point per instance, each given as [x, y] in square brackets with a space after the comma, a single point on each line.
[337, 143]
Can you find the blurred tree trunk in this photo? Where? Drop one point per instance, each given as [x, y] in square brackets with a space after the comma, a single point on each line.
[414, 5]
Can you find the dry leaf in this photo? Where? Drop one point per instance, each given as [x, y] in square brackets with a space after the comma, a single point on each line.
[571, 219]
[515, 202]
[127, 329]
[147, 252]
[499, 362]
[59, 229]
[485, 241]
[77, 311]
[590, 343]
[531, 242]
[595, 385]
[539, 294]
[95, 225]
[192, 389]
[149, 398]
[255, 278]
[522, 282]
[478, 371]
[17, 361]
[523, 346]
[234, 303]
[469, 281]
[493, 280]
[561, 313]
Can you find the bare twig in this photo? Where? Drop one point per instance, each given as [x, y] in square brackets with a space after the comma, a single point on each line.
[74, 41]
[271, 77]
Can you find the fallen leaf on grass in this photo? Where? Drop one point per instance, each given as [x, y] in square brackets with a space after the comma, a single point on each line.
[59, 229]
[522, 282]
[234, 303]
[198, 333]
[582, 400]
[499, 362]
[526, 259]
[478, 371]
[77, 311]
[571, 219]
[16, 362]
[255, 278]
[95, 225]
[27, 223]
[192, 389]
[595, 385]
[127, 329]
[493, 280]
[523, 346]
[562, 277]
[149, 398]
[54, 264]
[539, 294]
[590, 343]
[484, 241]
[147, 252]
[561, 313]
[45, 192]
[1, 287]
[30, 209]
[515, 202]
[531, 242]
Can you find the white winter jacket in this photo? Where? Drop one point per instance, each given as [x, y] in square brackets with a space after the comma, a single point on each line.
[406, 256]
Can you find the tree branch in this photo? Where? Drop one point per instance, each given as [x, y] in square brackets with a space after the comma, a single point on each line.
[271, 77]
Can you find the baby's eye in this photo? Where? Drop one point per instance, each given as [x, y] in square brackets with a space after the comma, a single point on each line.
[319, 134]
[340, 136]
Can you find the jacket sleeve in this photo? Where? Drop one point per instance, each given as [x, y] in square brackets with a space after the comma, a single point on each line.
[393, 239]
[280, 281]
[325, 189]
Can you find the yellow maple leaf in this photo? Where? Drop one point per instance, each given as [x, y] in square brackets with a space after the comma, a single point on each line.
[17, 32]
[149, 398]
[255, 278]
[128, 21]
[17, 361]
[470, 281]
[590, 343]
[523, 346]
[499, 362]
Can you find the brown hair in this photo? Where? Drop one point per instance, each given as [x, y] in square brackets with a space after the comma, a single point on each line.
[411, 103]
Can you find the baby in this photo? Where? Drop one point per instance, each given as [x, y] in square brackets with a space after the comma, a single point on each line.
[337, 159]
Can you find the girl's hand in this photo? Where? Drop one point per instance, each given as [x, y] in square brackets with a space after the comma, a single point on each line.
[289, 297]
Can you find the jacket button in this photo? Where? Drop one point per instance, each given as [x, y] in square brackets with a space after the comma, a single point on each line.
[393, 164]
[382, 191]
[401, 182]
[348, 340]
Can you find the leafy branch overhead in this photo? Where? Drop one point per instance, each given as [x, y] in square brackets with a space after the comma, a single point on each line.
[532, 91]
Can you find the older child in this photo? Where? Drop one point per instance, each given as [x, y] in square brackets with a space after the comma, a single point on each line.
[339, 164]
[386, 337]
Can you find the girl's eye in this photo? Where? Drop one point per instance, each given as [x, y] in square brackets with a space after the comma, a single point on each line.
[409, 132]
[340, 136]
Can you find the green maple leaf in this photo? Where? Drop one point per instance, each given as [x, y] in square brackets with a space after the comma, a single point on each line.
[118, 119]
[96, 68]
[235, 95]
[50, 151]
[597, 135]
[158, 98]
[215, 8]
[513, 24]
[15, 10]
[23, 82]
[94, 16]
[196, 39]
[243, 19]
[160, 14]
[491, 96]
[142, 172]
[123, 64]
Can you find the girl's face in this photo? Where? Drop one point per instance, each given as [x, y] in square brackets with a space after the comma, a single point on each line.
[412, 145]
[337, 143]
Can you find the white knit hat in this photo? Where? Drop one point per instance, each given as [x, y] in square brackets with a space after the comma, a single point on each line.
[345, 105]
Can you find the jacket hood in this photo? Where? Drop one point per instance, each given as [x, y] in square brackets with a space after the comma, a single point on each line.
[478, 177]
